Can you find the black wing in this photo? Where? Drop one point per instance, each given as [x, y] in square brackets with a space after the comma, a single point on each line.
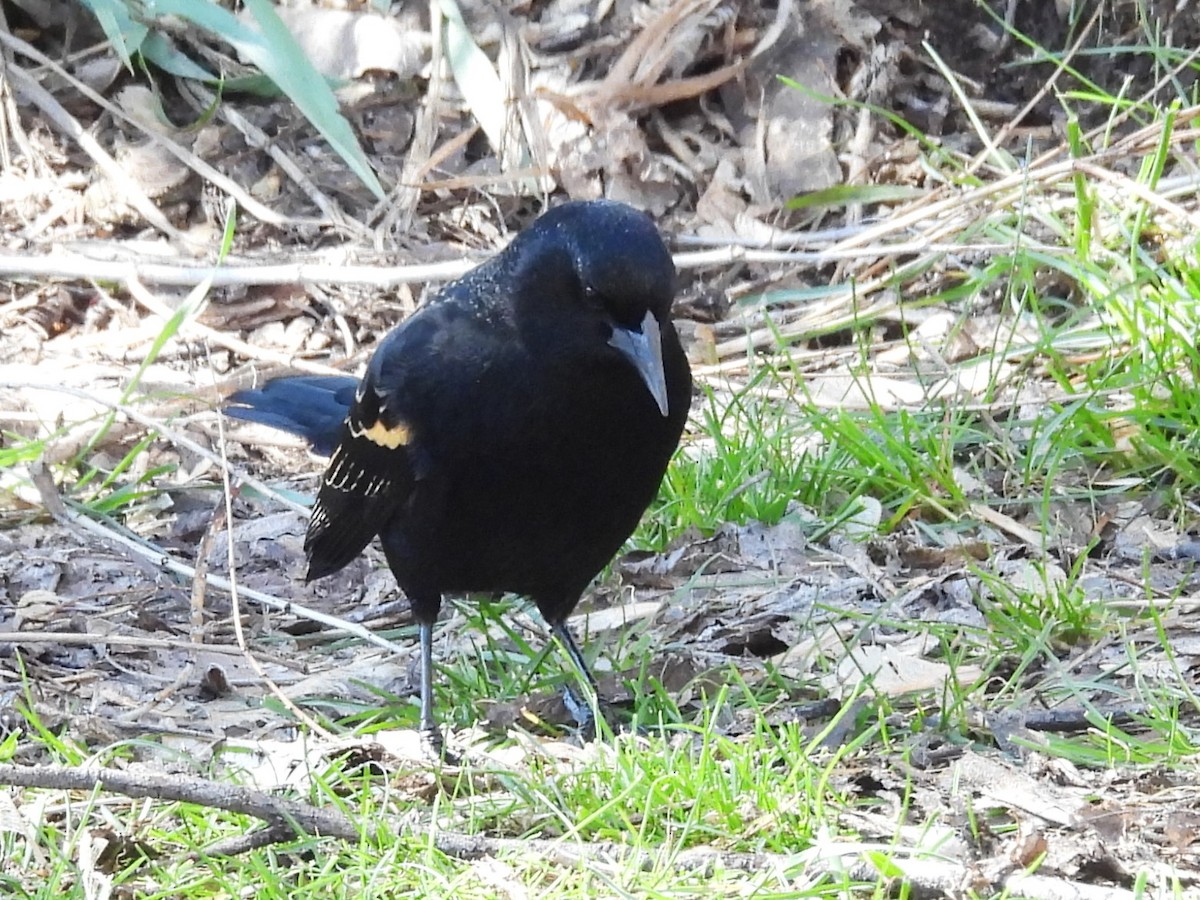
[411, 393]
[370, 473]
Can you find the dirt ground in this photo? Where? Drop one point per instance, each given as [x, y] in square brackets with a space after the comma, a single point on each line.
[113, 214]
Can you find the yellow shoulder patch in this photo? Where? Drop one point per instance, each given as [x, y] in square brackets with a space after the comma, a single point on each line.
[397, 436]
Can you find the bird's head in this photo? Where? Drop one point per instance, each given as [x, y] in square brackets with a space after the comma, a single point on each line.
[602, 267]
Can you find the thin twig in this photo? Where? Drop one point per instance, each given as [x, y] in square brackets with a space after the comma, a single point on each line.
[71, 638]
[62, 265]
[301, 818]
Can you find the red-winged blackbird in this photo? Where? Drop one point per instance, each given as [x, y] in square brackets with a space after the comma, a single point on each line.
[510, 434]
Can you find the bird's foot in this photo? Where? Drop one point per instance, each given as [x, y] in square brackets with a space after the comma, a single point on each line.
[588, 716]
[433, 745]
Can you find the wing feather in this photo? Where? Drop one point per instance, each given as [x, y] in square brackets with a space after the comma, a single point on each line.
[370, 474]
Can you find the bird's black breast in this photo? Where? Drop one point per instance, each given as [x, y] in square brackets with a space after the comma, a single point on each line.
[540, 468]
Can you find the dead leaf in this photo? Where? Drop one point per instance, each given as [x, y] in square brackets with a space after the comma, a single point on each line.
[894, 670]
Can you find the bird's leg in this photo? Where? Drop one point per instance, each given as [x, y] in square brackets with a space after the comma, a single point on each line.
[431, 734]
[586, 711]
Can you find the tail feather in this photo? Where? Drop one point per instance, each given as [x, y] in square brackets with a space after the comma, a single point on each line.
[313, 407]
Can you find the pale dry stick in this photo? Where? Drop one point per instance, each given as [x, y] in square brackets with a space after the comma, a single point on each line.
[28, 87]
[349, 344]
[913, 216]
[1177, 186]
[203, 556]
[111, 640]
[1017, 181]
[1183, 605]
[940, 232]
[166, 562]
[521, 146]
[778, 239]
[129, 338]
[681, 159]
[762, 337]
[259, 140]
[724, 256]
[244, 199]
[1117, 189]
[15, 266]
[300, 817]
[833, 305]
[1012, 192]
[826, 313]
[444, 152]
[1121, 187]
[532, 125]
[1035, 540]
[134, 717]
[1146, 140]
[961, 404]
[73, 266]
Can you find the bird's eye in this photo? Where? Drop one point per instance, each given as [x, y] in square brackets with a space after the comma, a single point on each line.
[592, 297]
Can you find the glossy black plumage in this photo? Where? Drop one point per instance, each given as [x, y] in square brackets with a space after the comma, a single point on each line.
[509, 435]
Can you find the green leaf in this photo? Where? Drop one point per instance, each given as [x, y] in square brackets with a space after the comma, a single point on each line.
[254, 84]
[475, 76]
[158, 49]
[884, 864]
[125, 35]
[845, 194]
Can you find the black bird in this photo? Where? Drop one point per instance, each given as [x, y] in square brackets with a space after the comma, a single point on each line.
[510, 434]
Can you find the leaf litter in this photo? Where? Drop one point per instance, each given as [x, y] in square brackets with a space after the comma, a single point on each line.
[689, 121]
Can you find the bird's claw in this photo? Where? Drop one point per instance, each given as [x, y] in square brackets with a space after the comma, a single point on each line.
[433, 745]
[587, 715]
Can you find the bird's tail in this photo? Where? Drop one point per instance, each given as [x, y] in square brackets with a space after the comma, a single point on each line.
[310, 406]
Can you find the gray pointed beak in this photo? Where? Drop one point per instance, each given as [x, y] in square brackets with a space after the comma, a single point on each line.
[644, 350]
